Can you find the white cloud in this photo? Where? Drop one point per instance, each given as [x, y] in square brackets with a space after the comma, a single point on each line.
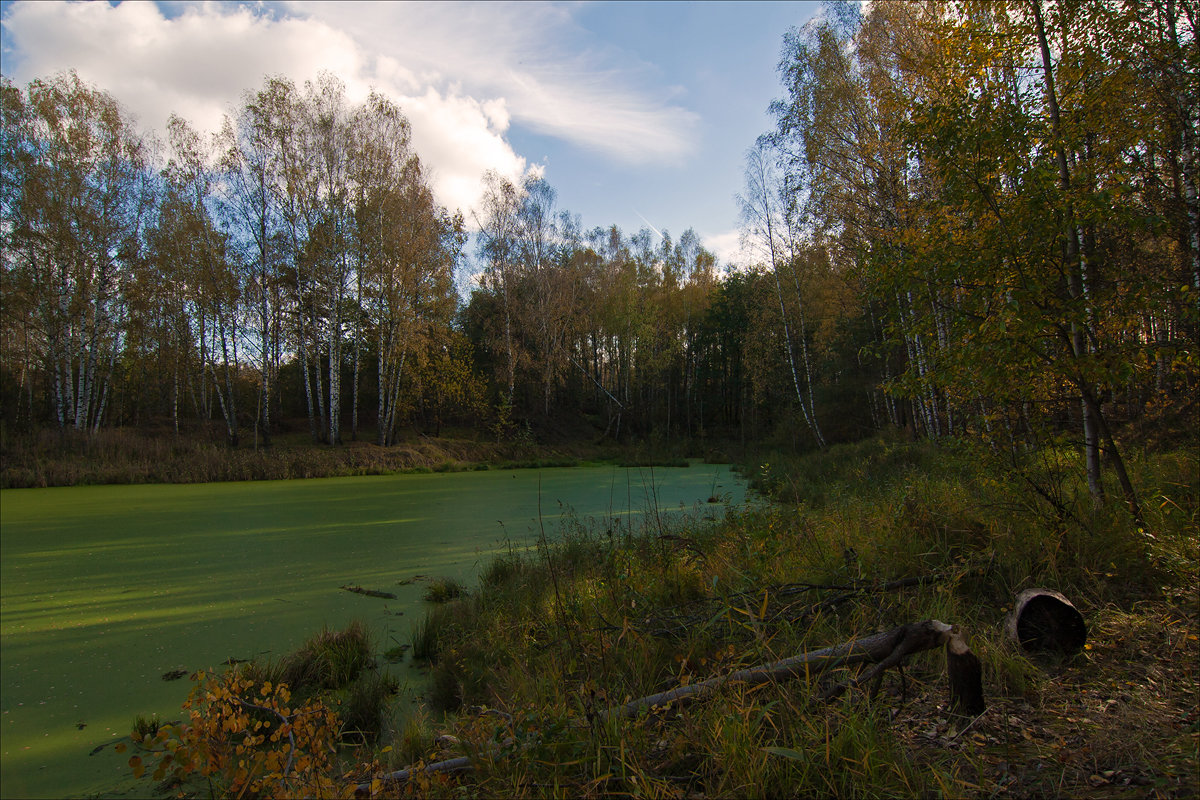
[535, 57]
[462, 73]
[460, 138]
[199, 64]
[196, 65]
[728, 249]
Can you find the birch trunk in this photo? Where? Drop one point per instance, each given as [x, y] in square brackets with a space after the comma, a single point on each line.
[1091, 410]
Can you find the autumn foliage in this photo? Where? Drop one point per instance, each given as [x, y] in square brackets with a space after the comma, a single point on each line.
[246, 739]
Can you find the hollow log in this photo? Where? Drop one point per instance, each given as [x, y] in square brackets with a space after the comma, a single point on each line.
[1043, 620]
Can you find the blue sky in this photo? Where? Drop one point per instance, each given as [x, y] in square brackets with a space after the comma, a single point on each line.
[636, 111]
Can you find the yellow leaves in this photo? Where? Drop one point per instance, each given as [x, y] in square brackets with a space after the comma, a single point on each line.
[227, 740]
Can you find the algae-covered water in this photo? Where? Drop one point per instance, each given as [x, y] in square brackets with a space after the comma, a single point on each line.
[103, 589]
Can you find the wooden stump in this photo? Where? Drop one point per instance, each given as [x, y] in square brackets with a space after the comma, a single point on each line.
[966, 676]
[1042, 620]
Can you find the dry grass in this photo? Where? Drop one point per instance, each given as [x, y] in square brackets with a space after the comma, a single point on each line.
[128, 456]
[555, 636]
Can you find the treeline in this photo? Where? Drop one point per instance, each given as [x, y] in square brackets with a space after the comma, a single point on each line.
[296, 268]
[287, 252]
[975, 219]
[643, 335]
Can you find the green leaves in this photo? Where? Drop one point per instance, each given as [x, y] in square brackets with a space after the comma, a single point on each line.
[785, 752]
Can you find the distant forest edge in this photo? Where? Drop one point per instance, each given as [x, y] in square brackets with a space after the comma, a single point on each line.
[979, 223]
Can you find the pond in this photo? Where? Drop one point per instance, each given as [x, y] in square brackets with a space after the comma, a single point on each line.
[104, 589]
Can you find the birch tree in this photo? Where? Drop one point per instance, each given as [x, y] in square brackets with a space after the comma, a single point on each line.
[767, 230]
[203, 265]
[249, 183]
[76, 198]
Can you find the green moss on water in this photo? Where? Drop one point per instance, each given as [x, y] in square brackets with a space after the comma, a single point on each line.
[104, 589]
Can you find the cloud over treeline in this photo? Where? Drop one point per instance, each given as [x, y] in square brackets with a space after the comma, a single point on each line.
[463, 74]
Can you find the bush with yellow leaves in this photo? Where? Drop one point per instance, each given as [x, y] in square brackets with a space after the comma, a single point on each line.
[247, 740]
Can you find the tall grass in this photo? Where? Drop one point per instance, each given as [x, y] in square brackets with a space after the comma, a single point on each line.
[613, 611]
[331, 659]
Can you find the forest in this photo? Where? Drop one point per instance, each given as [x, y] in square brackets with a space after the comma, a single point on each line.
[298, 268]
[964, 363]
[978, 223]
[959, 234]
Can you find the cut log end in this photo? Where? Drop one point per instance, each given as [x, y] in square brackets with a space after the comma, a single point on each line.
[1043, 620]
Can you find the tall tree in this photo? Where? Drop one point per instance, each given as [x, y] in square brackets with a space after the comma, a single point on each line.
[200, 256]
[768, 230]
[77, 190]
[498, 245]
[249, 181]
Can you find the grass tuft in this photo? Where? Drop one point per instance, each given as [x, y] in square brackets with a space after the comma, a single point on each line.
[145, 727]
[442, 590]
[329, 660]
[363, 710]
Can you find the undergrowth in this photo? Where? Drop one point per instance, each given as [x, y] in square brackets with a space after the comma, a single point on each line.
[864, 538]
[126, 456]
[558, 634]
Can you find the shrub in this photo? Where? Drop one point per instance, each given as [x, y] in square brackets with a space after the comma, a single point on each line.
[246, 739]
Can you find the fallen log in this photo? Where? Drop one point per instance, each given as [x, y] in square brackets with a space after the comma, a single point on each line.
[1043, 620]
[885, 650]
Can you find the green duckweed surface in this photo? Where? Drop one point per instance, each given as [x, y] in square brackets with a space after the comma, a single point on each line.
[103, 589]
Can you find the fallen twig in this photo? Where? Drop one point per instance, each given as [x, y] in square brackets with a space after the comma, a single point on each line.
[369, 592]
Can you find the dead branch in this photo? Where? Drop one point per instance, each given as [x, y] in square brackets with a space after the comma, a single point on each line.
[448, 766]
[369, 592]
[886, 649]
